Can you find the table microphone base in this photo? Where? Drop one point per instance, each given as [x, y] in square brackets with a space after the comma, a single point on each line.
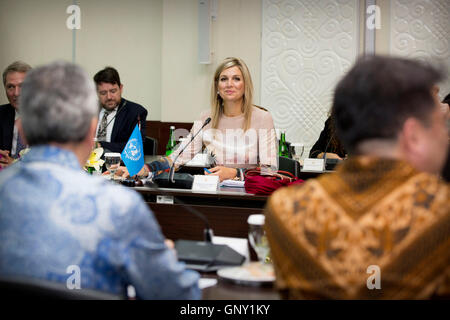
[181, 181]
[206, 256]
[330, 164]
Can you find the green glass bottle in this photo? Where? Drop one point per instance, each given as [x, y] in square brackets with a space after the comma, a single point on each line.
[283, 150]
[171, 143]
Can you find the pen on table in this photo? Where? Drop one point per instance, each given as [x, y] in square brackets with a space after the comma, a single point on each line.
[207, 170]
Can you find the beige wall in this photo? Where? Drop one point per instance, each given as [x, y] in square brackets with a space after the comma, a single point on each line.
[127, 36]
[152, 43]
[186, 83]
[123, 34]
[34, 33]
[382, 35]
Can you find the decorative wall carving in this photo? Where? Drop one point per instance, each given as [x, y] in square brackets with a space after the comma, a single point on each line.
[307, 45]
[421, 29]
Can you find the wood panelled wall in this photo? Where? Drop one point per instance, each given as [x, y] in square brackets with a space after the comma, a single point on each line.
[160, 131]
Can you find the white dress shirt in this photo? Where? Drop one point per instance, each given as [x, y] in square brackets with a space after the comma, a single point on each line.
[110, 121]
[15, 135]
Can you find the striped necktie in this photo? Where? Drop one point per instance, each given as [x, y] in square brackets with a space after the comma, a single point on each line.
[20, 145]
[101, 135]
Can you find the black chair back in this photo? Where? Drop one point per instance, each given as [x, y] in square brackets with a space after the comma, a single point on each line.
[150, 146]
[289, 165]
[26, 287]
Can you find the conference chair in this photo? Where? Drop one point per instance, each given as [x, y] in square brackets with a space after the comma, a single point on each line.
[289, 165]
[150, 146]
[25, 287]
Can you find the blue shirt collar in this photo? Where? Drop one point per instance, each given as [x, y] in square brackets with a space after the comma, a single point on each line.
[52, 154]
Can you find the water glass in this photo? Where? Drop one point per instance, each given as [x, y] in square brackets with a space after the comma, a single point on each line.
[257, 236]
[112, 161]
[299, 148]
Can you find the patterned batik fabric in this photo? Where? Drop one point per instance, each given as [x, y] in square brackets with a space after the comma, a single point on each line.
[55, 217]
[331, 236]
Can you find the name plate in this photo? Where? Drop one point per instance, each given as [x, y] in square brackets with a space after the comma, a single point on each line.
[164, 199]
[311, 164]
[205, 183]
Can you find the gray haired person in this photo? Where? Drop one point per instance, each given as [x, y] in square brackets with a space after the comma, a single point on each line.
[55, 217]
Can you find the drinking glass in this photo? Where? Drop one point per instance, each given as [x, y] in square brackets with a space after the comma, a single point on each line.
[257, 236]
[299, 148]
[112, 161]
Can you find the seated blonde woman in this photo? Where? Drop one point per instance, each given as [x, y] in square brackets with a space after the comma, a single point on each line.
[240, 134]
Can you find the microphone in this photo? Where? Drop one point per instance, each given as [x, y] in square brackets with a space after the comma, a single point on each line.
[207, 232]
[325, 152]
[202, 255]
[331, 162]
[172, 167]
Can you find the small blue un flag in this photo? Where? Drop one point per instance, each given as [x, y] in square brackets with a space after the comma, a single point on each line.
[133, 153]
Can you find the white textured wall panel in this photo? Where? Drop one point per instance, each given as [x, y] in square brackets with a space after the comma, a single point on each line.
[421, 29]
[307, 45]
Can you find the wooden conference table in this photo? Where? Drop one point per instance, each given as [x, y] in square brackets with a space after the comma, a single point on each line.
[227, 211]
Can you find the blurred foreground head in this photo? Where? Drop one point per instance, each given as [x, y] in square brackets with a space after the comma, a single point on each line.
[385, 107]
[59, 106]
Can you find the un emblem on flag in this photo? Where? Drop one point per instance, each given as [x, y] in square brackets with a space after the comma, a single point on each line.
[133, 150]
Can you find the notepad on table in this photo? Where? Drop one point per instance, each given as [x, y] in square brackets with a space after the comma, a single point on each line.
[232, 183]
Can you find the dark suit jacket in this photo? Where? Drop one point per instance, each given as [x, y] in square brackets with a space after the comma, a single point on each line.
[7, 115]
[126, 119]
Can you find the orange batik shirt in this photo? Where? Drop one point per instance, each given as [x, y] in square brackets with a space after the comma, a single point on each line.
[374, 229]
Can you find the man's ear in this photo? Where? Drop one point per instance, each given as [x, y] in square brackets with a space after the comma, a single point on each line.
[411, 136]
[20, 128]
[435, 90]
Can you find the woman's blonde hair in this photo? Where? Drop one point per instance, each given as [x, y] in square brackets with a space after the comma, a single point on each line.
[217, 101]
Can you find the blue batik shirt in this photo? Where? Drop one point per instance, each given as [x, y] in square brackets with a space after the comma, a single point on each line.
[53, 216]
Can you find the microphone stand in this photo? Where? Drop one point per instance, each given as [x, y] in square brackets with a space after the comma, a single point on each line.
[325, 153]
[172, 167]
[208, 233]
[204, 256]
[215, 255]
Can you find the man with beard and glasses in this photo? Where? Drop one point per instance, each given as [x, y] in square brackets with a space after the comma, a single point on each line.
[118, 117]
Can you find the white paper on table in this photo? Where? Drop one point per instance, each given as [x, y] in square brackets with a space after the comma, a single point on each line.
[313, 164]
[205, 183]
[238, 244]
[206, 282]
[200, 160]
[233, 183]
